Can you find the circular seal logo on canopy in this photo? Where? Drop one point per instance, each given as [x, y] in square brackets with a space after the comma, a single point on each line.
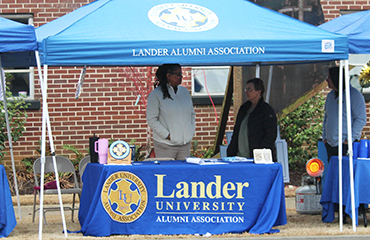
[119, 149]
[124, 197]
[183, 17]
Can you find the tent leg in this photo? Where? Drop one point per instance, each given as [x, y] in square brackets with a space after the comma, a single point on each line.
[9, 138]
[46, 122]
[340, 150]
[268, 93]
[258, 70]
[350, 153]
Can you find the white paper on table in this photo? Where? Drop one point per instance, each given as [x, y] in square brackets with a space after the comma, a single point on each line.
[262, 156]
[212, 163]
[237, 159]
[119, 164]
[204, 161]
[194, 160]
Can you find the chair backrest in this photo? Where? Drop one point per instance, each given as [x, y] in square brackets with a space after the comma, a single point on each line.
[64, 165]
[82, 165]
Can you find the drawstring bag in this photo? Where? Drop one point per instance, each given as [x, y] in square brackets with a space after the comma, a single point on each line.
[49, 185]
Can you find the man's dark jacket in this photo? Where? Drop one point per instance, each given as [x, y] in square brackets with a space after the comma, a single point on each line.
[262, 128]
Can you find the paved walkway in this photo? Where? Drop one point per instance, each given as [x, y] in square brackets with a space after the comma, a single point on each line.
[54, 227]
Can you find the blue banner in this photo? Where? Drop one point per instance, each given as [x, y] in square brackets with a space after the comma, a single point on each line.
[174, 197]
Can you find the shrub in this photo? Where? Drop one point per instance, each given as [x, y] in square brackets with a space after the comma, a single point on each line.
[302, 129]
[77, 152]
[201, 153]
[17, 118]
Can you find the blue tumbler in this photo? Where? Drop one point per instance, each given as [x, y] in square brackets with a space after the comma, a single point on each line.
[356, 148]
[363, 148]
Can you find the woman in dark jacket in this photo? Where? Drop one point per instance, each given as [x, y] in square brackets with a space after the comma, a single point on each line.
[256, 124]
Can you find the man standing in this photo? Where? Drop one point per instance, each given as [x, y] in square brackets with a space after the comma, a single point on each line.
[330, 124]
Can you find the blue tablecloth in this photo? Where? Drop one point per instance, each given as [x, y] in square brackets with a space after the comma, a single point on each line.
[330, 196]
[7, 216]
[175, 197]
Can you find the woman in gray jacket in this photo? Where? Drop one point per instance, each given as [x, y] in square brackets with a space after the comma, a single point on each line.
[170, 114]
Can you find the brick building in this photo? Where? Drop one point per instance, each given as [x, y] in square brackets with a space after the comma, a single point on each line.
[109, 105]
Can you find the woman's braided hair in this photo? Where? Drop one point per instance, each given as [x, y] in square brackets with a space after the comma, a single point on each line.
[161, 77]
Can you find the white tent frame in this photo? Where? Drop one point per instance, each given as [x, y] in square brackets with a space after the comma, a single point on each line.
[350, 147]
[46, 120]
[340, 137]
[46, 123]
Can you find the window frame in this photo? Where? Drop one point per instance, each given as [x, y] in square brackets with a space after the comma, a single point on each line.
[213, 94]
[31, 80]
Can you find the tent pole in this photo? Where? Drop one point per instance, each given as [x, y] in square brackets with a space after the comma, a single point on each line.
[268, 93]
[43, 147]
[9, 138]
[340, 147]
[258, 70]
[46, 120]
[56, 171]
[349, 136]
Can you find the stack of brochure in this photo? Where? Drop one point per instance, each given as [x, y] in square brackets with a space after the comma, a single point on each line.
[237, 159]
[204, 161]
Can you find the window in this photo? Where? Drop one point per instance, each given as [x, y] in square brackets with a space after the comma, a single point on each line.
[210, 80]
[20, 79]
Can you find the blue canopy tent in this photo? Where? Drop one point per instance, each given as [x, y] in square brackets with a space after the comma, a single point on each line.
[16, 37]
[191, 33]
[17, 46]
[203, 32]
[357, 27]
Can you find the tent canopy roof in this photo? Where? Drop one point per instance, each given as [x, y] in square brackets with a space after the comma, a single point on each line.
[16, 37]
[201, 32]
[17, 43]
[356, 26]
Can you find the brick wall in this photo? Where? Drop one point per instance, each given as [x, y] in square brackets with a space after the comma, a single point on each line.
[107, 104]
[332, 9]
